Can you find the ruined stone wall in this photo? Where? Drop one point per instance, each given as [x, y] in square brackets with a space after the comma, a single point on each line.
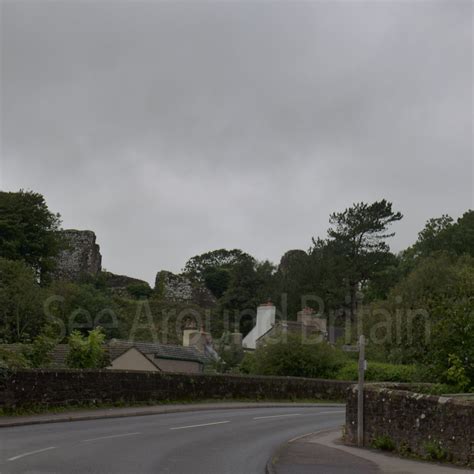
[179, 288]
[415, 423]
[120, 284]
[82, 255]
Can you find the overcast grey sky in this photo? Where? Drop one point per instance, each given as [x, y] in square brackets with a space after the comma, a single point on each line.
[175, 128]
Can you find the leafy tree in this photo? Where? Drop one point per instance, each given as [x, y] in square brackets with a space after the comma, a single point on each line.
[87, 352]
[265, 273]
[83, 306]
[39, 352]
[357, 237]
[443, 234]
[240, 298]
[21, 302]
[29, 230]
[213, 268]
[428, 317]
[297, 358]
[294, 279]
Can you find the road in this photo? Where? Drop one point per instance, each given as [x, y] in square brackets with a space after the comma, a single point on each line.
[237, 441]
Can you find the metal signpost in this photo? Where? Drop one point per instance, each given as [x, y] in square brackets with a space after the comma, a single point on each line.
[360, 348]
[360, 393]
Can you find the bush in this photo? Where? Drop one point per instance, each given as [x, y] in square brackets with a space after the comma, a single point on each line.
[87, 352]
[139, 290]
[12, 360]
[296, 358]
[381, 372]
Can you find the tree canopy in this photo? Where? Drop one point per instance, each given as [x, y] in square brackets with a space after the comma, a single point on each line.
[29, 230]
[357, 237]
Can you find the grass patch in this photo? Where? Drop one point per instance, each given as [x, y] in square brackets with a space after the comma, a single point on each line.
[434, 451]
[383, 442]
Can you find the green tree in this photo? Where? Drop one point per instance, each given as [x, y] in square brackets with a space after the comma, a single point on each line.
[87, 352]
[443, 234]
[428, 317]
[357, 236]
[83, 306]
[39, 353]
[29, 230]
[213, 268]
[294, 279]
[240, 300]
[21, 302]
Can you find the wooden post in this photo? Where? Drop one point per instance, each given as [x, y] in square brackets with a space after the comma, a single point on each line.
[360, 393]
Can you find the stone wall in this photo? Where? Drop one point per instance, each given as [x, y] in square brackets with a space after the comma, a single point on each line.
[82, 255]
[119, 284]
[61, 387]
[179, 288]
[414, 422]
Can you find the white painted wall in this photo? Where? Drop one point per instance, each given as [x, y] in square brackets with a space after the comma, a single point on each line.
[265, 321]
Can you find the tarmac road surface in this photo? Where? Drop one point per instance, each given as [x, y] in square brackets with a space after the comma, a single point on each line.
[227, 441]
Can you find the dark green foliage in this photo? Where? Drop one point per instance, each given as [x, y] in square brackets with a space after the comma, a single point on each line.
[83, 307]
[248, 282]
[297, 358]
[213, 268]
[383, 442]
[434, 451]
[87, 352]
[29, 230]
[383, 372]
[139, 290]
[39, 352]
[443, 234]
[12, 359]
[295, 278]
[428, 317]
[357, 236]
[21, 302]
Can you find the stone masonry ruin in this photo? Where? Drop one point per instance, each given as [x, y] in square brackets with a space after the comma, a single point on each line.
[80, 257]
[180, 288]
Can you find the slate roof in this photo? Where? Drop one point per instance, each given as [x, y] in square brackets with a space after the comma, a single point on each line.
[158, 350]
[116, 348]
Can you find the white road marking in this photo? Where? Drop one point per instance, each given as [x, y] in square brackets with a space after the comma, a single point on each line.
[197, 426]
[298, 414]
[111, 436]
[14, 458]
[276, 416]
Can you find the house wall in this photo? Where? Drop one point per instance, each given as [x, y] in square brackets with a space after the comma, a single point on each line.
[265, 321]
[133, 360]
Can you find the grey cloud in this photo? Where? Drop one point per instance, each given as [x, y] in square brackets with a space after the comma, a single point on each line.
[175, 128]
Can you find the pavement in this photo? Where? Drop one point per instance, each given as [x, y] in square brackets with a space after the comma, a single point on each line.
[324, 453]
[221, 440]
